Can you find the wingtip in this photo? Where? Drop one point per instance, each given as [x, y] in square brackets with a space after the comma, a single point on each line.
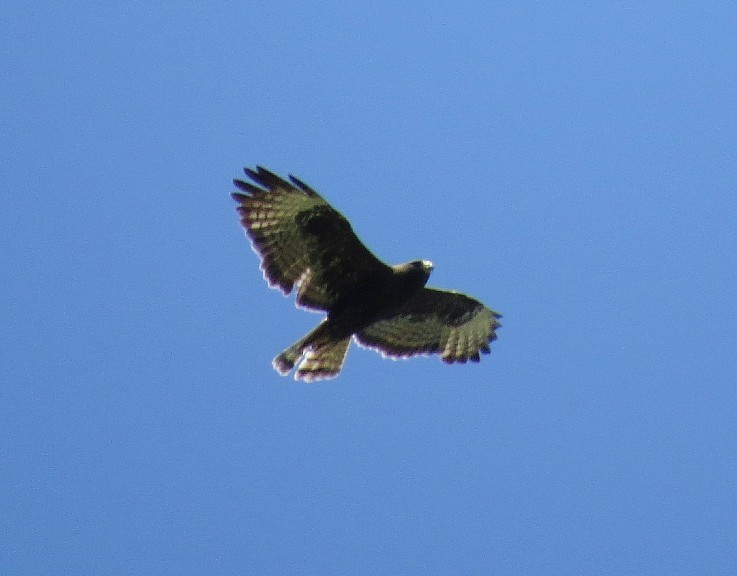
[252, 174]
[266, 178]
[244, 186]
[302, 186]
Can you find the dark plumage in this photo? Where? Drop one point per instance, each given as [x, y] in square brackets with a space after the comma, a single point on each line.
[305, 243]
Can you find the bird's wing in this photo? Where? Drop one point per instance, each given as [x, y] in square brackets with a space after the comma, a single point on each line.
[301, 239]
[434, 322]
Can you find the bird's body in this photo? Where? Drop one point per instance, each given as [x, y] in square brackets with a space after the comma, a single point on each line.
[305, 242]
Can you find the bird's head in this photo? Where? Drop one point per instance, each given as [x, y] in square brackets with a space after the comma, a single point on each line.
[425, 265]
[418, 271]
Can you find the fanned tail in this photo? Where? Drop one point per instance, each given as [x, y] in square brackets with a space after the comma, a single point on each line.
[321, 354]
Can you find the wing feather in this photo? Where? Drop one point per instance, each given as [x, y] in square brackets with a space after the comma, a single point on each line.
[443, 322]
[302, 240]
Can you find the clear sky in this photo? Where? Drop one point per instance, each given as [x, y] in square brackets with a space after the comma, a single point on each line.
[571, 164]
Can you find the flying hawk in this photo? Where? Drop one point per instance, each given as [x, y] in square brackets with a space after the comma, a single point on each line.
[304, 242]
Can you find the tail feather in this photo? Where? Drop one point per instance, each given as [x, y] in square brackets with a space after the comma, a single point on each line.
[323, 361]
[321, 354]
[287, 359]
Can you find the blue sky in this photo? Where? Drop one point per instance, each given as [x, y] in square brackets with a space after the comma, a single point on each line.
[572, 165]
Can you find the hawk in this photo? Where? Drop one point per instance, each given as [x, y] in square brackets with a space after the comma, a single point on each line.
[304, 243]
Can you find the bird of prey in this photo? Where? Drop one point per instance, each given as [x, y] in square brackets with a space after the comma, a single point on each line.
[304, 242]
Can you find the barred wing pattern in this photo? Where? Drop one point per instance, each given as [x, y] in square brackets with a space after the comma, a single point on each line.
[435, 321]
[301, 239]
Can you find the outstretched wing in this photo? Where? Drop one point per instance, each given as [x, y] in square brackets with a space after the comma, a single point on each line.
[435, 321]
[301, 239]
